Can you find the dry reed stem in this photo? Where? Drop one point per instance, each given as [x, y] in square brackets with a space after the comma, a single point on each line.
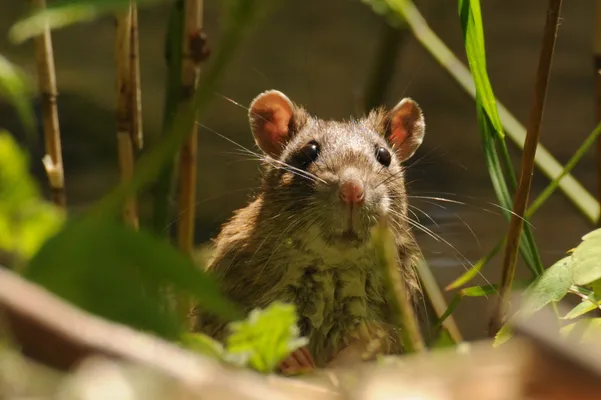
[53, 160]
[136, 92]
[188, 153]
[527, 167]
[597, 71]
[124, 110]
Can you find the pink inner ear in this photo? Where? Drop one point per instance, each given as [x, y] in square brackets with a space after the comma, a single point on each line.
[399, 131]
[270, 115]
[274, 130]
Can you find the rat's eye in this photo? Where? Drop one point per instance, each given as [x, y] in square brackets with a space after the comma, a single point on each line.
[309, 153]
[383, 156]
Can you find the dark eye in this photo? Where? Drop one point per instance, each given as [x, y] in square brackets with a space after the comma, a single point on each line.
[383, 156]
[309, 154]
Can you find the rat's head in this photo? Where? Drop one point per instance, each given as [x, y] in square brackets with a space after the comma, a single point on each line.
[338, 177]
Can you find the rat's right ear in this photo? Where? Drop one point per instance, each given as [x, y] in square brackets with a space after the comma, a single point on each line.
[271, 116]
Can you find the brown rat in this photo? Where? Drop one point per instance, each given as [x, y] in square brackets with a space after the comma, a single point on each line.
[304, 239]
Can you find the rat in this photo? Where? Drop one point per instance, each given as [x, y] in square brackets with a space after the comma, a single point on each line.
[305, 237]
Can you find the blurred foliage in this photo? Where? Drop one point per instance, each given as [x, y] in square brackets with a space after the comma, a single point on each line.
[111, 270]
[59, 14]
[14, 89]
[260, 341]
[26, 220]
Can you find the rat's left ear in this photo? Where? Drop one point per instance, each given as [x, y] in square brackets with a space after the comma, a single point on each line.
[405, 128]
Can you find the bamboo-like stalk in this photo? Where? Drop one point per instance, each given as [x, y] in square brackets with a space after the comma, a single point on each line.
[125, 109]
[597, 78]
[398, 296]
[526, 171]
[191, 44]
[53, 160]
[136, 92]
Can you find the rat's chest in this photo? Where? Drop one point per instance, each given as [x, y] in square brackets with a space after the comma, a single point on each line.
[333, 289]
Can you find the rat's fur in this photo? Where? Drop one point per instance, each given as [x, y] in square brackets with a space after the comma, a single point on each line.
[288, 244]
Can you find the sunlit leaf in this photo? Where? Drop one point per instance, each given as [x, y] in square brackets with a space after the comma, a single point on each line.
[550, 287]
[266, 337]
[26, 220]
[503, 335]
[203, 344]
[108, 269]
[14, 89]
[59, 14]
[586, 259]
[584, 307]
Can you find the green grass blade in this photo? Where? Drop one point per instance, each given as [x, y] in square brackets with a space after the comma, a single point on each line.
[536, 204]
[573, 190]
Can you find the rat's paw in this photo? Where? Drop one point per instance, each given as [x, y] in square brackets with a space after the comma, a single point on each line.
[297, 362]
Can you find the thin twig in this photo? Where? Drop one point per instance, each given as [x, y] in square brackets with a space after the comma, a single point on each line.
[527, 167]
[597, 71]
[192, 45]
[398, 296]
[53, 160]
[125, 109]
[136, 91]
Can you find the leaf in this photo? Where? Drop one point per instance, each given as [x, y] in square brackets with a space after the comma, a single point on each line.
[203, 344]
[587, 330]
[586, 259]
[265, 338]
[108, 269]
[584, 307]
[550, 287]
[26, 220]
[503, 335]
[14, 88]
[59, 14]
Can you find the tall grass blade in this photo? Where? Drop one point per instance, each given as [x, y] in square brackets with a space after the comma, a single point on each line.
[572, 189]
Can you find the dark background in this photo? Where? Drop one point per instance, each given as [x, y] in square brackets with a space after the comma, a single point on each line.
[320, 53]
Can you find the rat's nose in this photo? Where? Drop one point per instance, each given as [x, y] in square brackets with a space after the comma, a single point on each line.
[351, 192]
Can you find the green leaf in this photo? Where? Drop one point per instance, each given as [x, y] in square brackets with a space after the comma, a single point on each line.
[587, 330]
[59, 14]
[110, 270]
[203, 344]
[550, 287]
[14, 89]
[26, 220]
[265, 338]
[503, 335]
[584, 307]
[586, 259]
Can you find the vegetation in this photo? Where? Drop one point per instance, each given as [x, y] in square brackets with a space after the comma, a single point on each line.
[106, 262]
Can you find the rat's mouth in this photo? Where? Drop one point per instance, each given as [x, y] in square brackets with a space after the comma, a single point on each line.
[348, 237]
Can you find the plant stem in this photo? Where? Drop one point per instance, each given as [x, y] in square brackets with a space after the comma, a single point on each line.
[572, 189]
[527, 167]
[389, 45]
[534, 206]
[597, 71]
[163, 188]
[192, 54]
[125, 109]
[398, 296]
[53, 160]
[136, 91]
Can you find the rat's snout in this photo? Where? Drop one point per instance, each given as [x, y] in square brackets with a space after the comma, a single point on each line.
[352, 192]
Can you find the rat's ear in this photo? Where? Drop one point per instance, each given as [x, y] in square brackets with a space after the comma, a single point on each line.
[405, 128]
[272, 121]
